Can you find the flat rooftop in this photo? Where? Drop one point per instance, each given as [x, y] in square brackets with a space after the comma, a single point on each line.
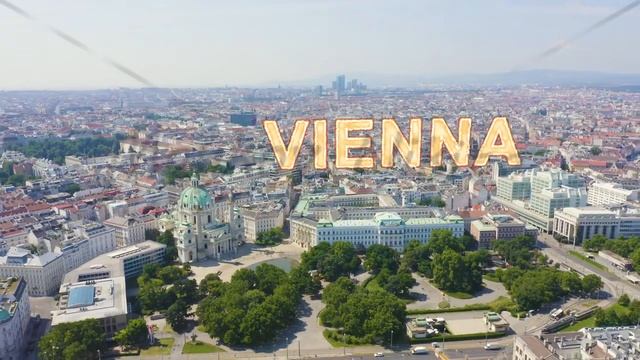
[92, 299]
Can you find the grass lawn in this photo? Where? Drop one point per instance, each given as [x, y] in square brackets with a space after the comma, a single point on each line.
[491, 277]
[164, 348]
[334, 343]
[592, 262]
[200, 347]
[459, 295]
[584, 323]
[444, 305]
[373, 284]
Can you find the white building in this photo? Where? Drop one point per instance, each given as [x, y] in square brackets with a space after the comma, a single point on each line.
[86, 242]
[127, 262]
[43, 273]
[104, 300]
[96, 289]
[619, 342]
[130, 230]
[546, 201]
[15, 313]
[260, 217]
[579, 224]
[385, 228]
[602, 194]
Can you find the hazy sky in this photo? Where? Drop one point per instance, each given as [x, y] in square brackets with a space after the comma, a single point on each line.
[255, 42]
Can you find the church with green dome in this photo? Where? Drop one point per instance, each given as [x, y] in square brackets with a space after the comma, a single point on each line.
[198, 234]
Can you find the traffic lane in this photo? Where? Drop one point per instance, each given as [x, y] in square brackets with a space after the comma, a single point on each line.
[616, 285]
[469, 354]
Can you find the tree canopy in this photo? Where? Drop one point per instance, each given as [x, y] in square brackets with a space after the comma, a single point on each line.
[516, 252]
[331, 260]
[135, 334]
[253, 306]
[56, 149]
[381, 257]
[272, 236]
[73, 340]
[160, 287]
[455, 272]
[531, 288]
[369, 315]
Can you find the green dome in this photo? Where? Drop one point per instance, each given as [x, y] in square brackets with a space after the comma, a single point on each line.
[194, 197]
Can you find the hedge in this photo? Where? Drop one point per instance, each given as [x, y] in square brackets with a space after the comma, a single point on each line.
[346, 339]
[460, 337]
[470, 307]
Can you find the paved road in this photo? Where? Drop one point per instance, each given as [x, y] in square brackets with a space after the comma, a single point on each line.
[613, 283]
[472, 350]
[429, 296]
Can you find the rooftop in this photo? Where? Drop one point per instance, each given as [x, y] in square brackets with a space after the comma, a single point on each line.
[92, 299]
[11, 290]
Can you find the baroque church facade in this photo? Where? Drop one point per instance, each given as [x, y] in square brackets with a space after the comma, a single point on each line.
[197, 232]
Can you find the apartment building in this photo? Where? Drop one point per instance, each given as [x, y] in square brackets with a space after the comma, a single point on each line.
[15, 313]
[43, 273]
[603, 194]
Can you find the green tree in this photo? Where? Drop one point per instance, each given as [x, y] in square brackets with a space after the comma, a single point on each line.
[570, 282]
[624, 300]
[416, 258]
[342, 260]
[596, 243]
[242, 314]
[400, 284]
[56, 149]
[369, 315]
[211, 286]
[135, 334]
[591, 283]
[516, 252]
[304, 282]
[171, 252]
[442, 240]
[269, 277]
[73, 340]
[381, 257]
[449, 270]
[70, 188]
[173, 172]
[635, 259]
[272, 236]
[177, 315]
[595, 150]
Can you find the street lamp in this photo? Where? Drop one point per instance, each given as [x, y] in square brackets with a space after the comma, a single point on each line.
[391, 340]
[344, 344]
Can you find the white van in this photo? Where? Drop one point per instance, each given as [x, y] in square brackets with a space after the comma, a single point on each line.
[419, 350]
[492, 346]
[557, 314]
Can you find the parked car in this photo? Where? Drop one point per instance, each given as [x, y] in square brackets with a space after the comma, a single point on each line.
[492, 346]
[378, 354]
[419, 350]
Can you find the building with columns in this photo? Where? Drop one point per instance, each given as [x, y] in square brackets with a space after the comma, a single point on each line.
[198, 234]
[579, 224]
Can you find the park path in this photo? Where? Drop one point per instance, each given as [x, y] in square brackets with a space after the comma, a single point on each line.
[429, 296]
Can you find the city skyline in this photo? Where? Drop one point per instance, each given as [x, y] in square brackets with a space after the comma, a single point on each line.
[198, 44]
